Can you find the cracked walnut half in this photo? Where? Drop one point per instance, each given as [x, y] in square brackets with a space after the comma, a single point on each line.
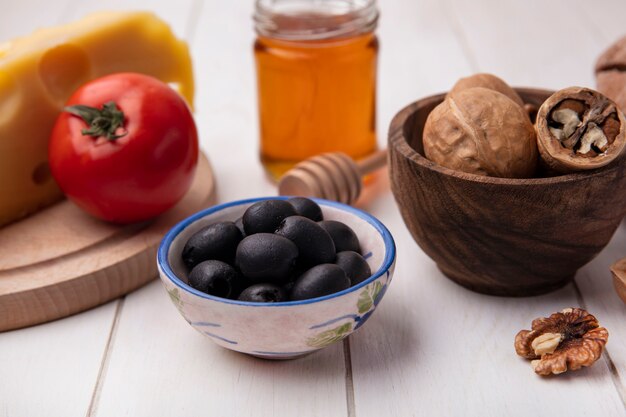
[564, 341]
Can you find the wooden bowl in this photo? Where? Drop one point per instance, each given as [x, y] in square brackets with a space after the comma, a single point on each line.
[513, 237]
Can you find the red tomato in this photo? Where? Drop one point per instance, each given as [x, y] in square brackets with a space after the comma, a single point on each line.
[126, 167]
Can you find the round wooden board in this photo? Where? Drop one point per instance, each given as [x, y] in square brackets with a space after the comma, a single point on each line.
[62, 261]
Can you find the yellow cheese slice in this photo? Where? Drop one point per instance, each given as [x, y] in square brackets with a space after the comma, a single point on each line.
[39, 72]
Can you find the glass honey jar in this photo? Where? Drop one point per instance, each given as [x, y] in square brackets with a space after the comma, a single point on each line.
[316, 76]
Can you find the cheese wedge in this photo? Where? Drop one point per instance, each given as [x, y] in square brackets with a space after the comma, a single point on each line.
[38, 73]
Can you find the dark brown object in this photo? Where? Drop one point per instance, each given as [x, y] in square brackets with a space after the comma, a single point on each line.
[579, 129]
[564, 341]
[618, 269]
[483, 132]
[502, 236]
[489, 81]
[611, 73]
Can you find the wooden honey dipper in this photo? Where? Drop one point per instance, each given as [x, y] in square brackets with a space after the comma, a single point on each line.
[333, 176]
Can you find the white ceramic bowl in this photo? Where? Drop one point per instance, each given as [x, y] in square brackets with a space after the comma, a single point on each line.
[279, 330]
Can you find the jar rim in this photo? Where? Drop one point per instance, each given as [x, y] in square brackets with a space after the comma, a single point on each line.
[314, 20]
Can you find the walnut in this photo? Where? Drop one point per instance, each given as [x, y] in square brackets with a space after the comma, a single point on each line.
[611, 73]
[579, 129]
[482, 132]
[489, 81]
[564, 341]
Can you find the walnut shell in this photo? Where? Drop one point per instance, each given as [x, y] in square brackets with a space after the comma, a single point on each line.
[489, 81]
[483, 132]
[592, 136]
[611, 73]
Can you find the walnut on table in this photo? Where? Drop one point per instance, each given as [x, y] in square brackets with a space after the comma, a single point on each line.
[567, 340]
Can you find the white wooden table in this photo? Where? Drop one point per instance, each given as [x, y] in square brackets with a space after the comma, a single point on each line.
[433, 348]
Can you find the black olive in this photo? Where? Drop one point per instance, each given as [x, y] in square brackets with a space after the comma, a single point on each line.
[239, 224]
[266, 215]
[318, 281]
[343, 236]
[355, 267]
[218, 241]
[315, 246]
[215, 278]
[263, 293]
[288, 286]
[266, 257]
[307, 208]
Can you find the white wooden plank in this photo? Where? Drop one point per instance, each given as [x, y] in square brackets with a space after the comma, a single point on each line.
[438, 349]
[160, 366]
[604, 21]
[175, 13]
[435, 348]
[51, 369]
[415, 46]
[226, 113]
[531, 43]
[25, 16]
[39, 365]
[596, 285]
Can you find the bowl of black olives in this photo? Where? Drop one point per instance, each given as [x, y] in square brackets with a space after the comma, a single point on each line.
[277, 277]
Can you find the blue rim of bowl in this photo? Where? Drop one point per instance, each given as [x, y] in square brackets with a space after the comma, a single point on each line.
[390, 251]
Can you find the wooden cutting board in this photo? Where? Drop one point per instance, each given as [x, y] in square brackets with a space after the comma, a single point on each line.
[61, 260]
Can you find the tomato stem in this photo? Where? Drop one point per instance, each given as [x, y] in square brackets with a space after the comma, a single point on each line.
[102, 122]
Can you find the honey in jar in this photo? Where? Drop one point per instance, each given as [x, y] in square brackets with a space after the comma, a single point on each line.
[316, 77]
